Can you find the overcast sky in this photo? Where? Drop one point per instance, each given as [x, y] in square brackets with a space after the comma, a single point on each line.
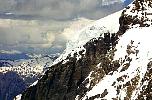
[44, 26]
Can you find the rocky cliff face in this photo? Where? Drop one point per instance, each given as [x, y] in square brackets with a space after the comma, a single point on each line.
[112, 66]
[65, 81]
[137, 14]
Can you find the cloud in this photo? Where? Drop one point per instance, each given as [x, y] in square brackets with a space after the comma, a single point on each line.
[37, 36]
[46, 25]
[60, 10]
[75, 26]
[29, 33]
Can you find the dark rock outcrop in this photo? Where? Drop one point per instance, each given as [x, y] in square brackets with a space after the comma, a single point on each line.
[135, 14]
[65, 81]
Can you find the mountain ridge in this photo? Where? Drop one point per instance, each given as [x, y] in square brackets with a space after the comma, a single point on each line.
[111, 66]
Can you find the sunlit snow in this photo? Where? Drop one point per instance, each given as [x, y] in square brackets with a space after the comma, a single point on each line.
[138, 66]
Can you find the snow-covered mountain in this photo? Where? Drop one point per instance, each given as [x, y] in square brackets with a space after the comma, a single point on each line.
[108, 60]
[27, 68]
[17, 75]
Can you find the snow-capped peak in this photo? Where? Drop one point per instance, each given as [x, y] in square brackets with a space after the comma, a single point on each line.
[138, 13]
[134, 55]
[94, 30]
[136, 69]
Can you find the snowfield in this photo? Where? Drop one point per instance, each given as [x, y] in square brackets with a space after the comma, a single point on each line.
[94, 30]
[138, 39]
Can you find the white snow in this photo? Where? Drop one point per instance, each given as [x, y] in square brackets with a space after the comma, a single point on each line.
[18, 97]
[28, 68]
[137, 41]
[141, 38]
[90, 78]
[138, 65]
[146, 13]
[34, 83]
[104, 25]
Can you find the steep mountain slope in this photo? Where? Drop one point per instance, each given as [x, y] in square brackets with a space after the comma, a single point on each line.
[109, 60]
[17, 75]
[82, 55]
[88, 34]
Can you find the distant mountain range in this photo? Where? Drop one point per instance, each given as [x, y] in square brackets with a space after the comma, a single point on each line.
[5, 56]
[19, 71]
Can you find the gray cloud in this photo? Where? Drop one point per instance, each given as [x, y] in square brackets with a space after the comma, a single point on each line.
[46, 25]
[60, 10]
[37, 36]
